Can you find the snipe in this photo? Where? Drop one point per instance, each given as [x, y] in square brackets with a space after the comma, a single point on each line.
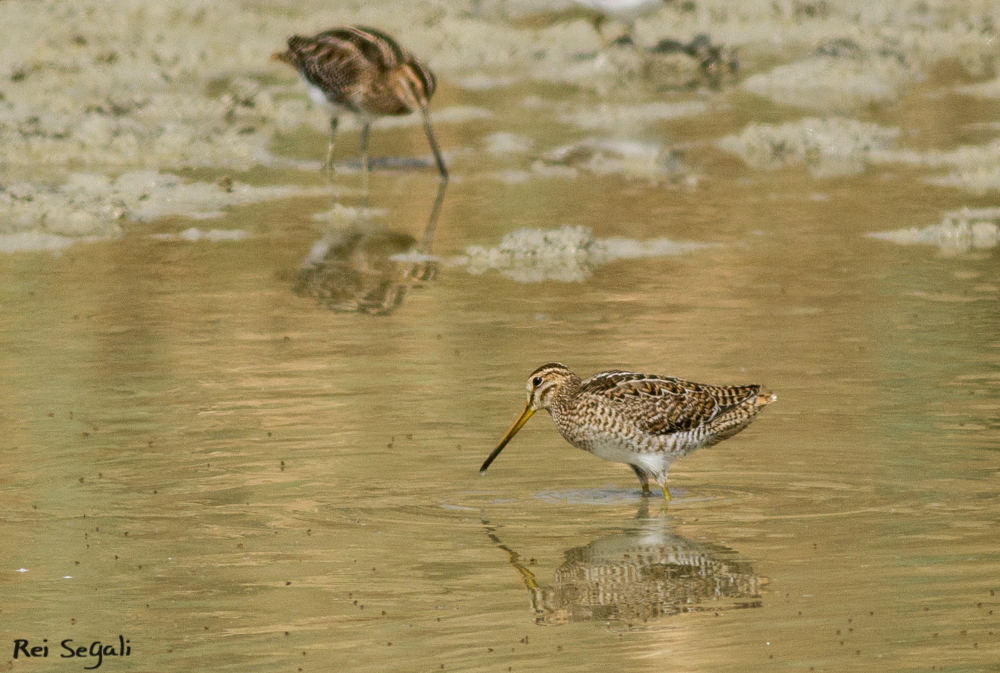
[642, 420]
[364, 71]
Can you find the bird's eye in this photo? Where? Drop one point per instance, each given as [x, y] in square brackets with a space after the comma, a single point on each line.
[537, 381]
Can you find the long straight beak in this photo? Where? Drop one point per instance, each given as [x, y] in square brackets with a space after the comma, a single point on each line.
[521, 420]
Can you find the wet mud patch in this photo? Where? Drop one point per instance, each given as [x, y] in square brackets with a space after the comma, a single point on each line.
[960, 231]
[92, 206]
[568, 254]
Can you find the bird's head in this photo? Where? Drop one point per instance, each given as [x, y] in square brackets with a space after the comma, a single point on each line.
[545, 383]
[544, 386]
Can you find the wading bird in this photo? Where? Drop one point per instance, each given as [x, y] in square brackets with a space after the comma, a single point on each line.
[364, 71]
[643, 420]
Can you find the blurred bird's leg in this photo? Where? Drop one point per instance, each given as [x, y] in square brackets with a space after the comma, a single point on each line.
[328, 165]
[364, 158]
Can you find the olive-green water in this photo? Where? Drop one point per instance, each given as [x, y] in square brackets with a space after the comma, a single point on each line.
[234, 477]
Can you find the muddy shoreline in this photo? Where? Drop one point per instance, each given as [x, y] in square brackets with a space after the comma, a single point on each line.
[102, 88]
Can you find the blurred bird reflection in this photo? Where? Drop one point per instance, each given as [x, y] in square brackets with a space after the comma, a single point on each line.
[362, 268]
[641, 573]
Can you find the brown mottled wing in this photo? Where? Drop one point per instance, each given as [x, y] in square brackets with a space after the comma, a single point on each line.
[335, 65]
[386, 56]
[662, 405]
[376, 47]
[362, 69]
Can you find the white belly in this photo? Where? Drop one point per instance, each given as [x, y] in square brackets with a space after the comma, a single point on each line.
[655, 458]
[653, 454]
[319, 98]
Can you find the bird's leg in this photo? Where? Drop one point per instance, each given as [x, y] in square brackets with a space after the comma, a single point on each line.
[364, 157]
[433, 141]
[643, 479]
[428, 238]
[661, 481]
[328, 166]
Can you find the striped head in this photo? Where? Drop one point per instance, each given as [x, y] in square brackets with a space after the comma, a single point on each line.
[546, 382]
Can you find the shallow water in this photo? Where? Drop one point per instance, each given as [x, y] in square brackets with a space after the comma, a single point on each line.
[203, 457]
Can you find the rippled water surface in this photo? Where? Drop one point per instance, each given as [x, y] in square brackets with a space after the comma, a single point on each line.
[258, 454]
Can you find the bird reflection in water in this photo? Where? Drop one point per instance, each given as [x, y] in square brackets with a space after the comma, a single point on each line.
[642, 573]
[367, 269]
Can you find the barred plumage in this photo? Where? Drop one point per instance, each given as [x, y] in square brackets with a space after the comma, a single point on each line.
[643, 420]
[646, 571]
[364, 71]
